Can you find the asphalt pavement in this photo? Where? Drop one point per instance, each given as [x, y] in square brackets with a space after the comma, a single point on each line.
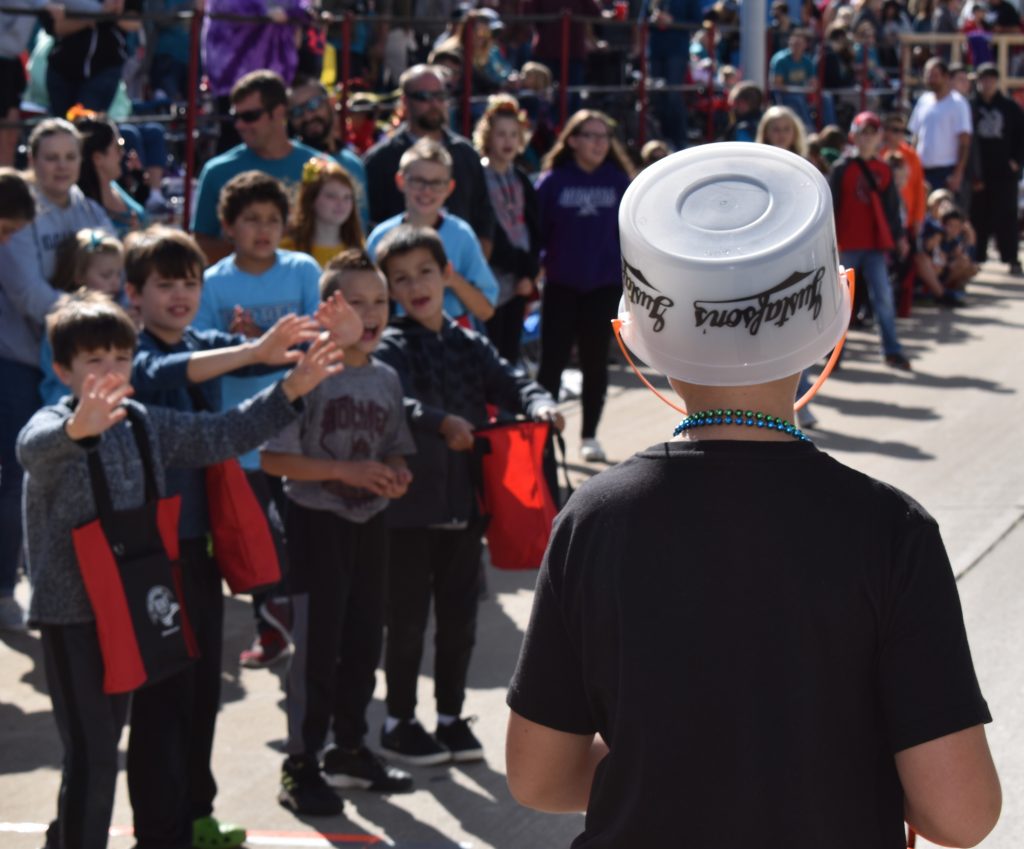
[949, 433]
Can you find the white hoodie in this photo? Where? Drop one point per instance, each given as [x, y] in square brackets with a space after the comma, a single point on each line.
[26, 266]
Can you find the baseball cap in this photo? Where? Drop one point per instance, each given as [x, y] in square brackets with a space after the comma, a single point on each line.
[863, 120]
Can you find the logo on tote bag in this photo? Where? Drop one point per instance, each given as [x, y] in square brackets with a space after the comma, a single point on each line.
[162, 608]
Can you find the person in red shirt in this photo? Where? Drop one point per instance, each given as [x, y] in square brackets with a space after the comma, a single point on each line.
[867, 212]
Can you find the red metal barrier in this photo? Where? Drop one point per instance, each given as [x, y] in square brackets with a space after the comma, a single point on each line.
[190, 115]
[563, 83]
[346, 69]
[641, 132]
[864, 79]
[468, 36]
[820, 122]
[709, 131]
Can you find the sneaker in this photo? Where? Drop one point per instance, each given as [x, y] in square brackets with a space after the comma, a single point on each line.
[210, 833]
[12, 617]
[410, 743]
[591, 451]
[898, 361]
[268, 648]
[361, 768]
[461, 742]
[277, 613]
[304, 791]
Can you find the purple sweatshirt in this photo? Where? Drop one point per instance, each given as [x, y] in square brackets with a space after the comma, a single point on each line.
[579, 225]
[232, 49]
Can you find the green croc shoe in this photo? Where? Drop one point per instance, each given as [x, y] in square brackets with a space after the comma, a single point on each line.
[209, 833]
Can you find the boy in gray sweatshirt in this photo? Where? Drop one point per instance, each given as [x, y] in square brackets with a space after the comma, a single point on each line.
[93, 342]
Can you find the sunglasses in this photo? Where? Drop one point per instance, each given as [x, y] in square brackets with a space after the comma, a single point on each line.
[419, 183]
[247, 116]
[428, 96]
[311, 105]
[895, 129]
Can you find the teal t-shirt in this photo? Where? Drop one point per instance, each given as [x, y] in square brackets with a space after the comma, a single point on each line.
[291, 285]
[288, 170]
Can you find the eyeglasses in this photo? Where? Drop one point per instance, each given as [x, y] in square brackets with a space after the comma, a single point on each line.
[590, 136]
[247, 116]
[433, 185]
[311, 105]
[428, 96]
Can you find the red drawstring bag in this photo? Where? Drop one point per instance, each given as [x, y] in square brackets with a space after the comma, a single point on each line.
[128, 560]
[242, 544]
[515, 496]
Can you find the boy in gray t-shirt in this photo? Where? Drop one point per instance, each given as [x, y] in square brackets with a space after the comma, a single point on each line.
[342, 461]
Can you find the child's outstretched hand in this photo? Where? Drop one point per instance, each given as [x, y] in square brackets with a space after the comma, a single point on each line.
[99, 408]
[241, 322]
[457, 433]
[337, 317]
[273, 348]
[318, 363]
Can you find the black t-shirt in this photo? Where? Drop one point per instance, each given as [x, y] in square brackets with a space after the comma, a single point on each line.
[755, 630]
[89, 51]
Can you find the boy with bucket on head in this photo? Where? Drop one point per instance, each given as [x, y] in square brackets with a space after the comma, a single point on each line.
[691, 675]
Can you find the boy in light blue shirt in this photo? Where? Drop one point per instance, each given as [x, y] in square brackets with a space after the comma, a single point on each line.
[425, 178]
[247, 292]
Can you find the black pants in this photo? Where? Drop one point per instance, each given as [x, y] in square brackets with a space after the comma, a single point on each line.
[269, 492]
[444, 565]
[505, 329]
[994, 213]
[170, 782]
[584, 318]
[337, 584]
[89, 722]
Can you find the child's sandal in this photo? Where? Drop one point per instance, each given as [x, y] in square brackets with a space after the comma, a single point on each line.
[209, 833]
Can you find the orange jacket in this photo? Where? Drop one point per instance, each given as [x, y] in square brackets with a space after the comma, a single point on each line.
[913, 193]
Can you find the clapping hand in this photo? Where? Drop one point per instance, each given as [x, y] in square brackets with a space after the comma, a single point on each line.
[337, 317]
[317, 364]
[241, 322]
[276, 346]
[99, 407]
[403, 477]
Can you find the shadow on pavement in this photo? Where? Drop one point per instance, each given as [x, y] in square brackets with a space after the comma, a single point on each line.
[831, 441]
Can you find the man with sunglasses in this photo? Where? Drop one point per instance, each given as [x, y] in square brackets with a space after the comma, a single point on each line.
[311, 117]
[259, 112]
[425, 102]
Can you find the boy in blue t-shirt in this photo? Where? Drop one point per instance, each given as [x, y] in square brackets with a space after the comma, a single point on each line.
[170, 780]
[247, 292]
[425, 179]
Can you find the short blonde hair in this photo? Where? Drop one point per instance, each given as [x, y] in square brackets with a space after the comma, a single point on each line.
[426, 150]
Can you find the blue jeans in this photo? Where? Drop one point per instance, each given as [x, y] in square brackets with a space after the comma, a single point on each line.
[96, 92]
[871, 268]
[21, 399]
[936, 177]
[148, 141]
[671, 106]
[797, 101]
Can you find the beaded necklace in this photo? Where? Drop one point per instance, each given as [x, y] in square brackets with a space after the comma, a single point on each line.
[750, 418]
